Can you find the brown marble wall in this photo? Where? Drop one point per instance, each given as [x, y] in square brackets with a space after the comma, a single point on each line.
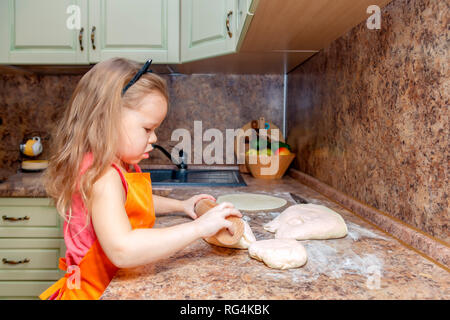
[33, 103]
[29, 105]
[369, 115]
[221, 102]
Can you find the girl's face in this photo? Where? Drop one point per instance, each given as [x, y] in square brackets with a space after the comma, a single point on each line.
[138, 128]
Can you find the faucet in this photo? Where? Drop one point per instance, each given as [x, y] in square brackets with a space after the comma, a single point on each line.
[181, 160]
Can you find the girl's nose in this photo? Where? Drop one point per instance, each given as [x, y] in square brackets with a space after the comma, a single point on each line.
[153, 138]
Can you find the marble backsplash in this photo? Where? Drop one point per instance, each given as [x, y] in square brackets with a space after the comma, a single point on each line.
[30, 104]
[369, 115]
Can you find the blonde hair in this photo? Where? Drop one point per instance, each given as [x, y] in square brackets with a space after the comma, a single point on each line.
[89, 124]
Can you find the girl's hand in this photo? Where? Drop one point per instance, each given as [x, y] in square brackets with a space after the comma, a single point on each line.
[215, 219]
[189, 204]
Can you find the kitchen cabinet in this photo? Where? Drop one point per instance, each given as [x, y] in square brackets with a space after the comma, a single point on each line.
[46, 31]
[37, 32]
[135, 29]
[31, 243]
[213, 27]
[245, 12]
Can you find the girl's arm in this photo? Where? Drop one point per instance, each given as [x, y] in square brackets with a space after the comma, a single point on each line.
[166, 205]
[127, 248]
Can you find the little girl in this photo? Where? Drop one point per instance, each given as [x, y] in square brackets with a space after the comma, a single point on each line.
[109, 210]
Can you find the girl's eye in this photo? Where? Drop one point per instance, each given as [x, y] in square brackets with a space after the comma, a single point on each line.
[148, 130]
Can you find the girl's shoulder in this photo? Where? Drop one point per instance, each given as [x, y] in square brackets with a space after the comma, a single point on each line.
[113, 177]
[110, 184]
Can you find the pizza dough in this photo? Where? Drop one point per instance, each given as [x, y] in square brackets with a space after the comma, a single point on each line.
[247, 238]
[279, 253]
[308, 222]
[252, 201]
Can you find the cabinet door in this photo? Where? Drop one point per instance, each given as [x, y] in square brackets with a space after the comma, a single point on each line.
[134, 29]
[18, 290]
[29, 217]
[204, 30]
[35, 259]
[42, 32]
[245, 12]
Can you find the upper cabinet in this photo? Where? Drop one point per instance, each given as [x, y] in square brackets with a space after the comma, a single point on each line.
[46, 31]
[135, 29]
[83, 32]
[245, 12]
[36, 32]
[207, 28]
[213, 27]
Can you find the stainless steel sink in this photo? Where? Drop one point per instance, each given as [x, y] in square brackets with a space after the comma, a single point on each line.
[201, 178]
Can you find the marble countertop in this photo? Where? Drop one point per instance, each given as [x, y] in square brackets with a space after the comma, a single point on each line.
[366, 264]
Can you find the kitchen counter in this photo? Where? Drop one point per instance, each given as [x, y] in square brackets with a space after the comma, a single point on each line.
[29, 185]
[366, 264]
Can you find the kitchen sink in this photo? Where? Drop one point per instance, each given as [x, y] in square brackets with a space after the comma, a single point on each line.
[201, 178]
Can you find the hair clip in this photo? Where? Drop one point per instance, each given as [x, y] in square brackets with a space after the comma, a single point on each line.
[138, 75]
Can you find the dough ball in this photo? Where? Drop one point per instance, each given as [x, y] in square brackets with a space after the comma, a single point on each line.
[308, 222]
[279, 253]
[252, 201]
[247, 238]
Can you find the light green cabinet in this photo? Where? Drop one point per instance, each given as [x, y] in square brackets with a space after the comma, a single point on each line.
[168, 31]
[208, 28]
[29, 217]
[36, 32]
[45, 31]
[135, 29]
[21, 290]
[213, 27]
[245, 12]
[31, 243]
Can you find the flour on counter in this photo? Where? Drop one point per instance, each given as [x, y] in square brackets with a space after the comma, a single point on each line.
[274, 214]
[355, 232]
[324, 259]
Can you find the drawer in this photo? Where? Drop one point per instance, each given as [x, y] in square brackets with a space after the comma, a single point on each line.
[22, 289]
[28, 259]
[50, 274]
[29, 217]
[42, 255]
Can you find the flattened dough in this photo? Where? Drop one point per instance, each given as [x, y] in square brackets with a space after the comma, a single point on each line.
[252, 201]
[279, 253]
[247, 238]
[307, 222]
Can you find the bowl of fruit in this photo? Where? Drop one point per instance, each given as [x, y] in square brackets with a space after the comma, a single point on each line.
[268, 160]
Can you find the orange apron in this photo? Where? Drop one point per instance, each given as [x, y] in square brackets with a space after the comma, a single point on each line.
[95, 271]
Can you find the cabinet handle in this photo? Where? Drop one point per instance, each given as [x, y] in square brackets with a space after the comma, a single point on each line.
[15, 219]
[93, 37]
[80, 38]
[228, 24]
[6, 261]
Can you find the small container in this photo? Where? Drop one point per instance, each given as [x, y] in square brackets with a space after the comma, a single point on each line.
[260, 165]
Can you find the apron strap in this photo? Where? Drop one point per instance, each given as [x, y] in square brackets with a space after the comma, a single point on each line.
[122, 177]
[54, 288]
[62, 264]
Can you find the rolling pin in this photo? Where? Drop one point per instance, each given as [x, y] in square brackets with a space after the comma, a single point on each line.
[223, 236]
